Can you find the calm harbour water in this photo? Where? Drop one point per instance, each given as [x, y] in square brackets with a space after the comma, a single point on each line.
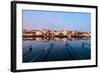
[60, 49]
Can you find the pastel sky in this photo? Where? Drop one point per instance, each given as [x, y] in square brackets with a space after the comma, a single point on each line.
[38, 20]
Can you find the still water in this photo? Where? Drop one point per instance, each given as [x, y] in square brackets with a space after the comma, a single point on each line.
[58, 49]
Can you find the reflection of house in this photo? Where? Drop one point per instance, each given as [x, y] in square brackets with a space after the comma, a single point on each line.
[38, 39]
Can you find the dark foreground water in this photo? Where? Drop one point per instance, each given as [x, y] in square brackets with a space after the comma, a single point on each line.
[56, 50]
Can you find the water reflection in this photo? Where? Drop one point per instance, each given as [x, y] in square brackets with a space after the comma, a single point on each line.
[46, 39]
[39, 49]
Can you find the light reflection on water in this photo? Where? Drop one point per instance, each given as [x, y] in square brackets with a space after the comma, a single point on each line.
[56, 49]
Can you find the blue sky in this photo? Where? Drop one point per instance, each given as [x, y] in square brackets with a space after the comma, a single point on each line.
[38, 20]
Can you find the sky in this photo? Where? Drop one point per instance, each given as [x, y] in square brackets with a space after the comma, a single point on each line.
[39, 20]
